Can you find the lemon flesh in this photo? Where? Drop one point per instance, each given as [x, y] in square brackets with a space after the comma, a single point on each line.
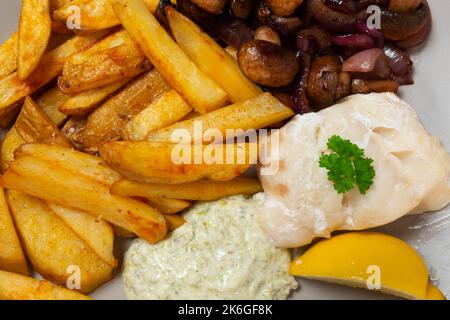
[433, 293]
[368, 260]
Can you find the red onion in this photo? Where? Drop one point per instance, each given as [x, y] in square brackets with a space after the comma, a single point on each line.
[354, 40]
[376, 35]
[400, 64]
[371, 62]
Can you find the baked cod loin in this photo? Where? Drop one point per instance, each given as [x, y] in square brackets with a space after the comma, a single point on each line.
[412, 171]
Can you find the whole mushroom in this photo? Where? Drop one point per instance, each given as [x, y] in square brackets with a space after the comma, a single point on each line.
[284, 8]
[212, 6]
[268, 63]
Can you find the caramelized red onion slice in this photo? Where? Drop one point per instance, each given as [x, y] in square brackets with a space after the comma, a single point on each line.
[400, 64]
[354, 40]
[376, 35]
[363, 61]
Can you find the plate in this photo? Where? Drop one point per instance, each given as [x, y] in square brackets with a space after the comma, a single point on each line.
[429, 96]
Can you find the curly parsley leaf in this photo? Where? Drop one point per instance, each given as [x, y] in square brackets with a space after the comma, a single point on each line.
[347, 166]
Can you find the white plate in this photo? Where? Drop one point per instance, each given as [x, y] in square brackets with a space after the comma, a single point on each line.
[428, 233]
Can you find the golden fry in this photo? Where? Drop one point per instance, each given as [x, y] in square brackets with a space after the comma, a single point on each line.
[46, 181]
[174, 164]
[12, 257]
[210, 57]
[256, 113]
[97, 233]
[52, 246]
[12, 89]
[203, 190]
[82, 104]
[10, 143]
[50, 101]
[33, 125]
[164, 111]
[78, 162]
[17, 287]
[168, 206]
[34, 34]
[95, 14]
[182, 74]
[106, 123]
[174, 221]
[8, 55]
[115, 58]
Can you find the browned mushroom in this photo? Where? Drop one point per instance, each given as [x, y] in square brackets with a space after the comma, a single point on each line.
[242, 8]
[368, 86]
[326, 84]
[284, 8]
[212, 6]
[401, 26]
[267, 34]
[283, 25]
[321, 37]
[404, 5]
[267, 63]
[332, 20]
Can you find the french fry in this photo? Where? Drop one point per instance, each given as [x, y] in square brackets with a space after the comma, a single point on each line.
[210, 57]
[12, 89]
[12, 257]
[77, 162]
[95, 14]
[106, 123]
[8, 55]
[164, 111]
[10, 143]
[202, 190]
[178, 163]
[122, 233]
[256, 113]
[57, 4]
[34, 33]
[17, 287]
[97, 233]
[8, 117]
[168, 206]
[52, 247]
[33, 125]
[50, 101]
[174, 221]
[46, 181]
[73, 130]
[115, 58]
[180, 72]
[84, 103]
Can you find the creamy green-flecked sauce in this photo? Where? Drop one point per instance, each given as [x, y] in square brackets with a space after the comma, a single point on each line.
[220, 253]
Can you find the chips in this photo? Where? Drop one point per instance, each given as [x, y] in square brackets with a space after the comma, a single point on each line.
[34, 34]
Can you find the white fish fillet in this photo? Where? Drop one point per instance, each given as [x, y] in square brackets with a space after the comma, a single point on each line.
[412, 171]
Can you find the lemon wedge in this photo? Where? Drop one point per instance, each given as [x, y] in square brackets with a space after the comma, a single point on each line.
[368, 260]
[433, 293]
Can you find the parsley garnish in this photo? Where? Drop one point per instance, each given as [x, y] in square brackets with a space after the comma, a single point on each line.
[347, 166]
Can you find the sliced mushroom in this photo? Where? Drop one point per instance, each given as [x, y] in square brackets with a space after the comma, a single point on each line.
[284, 8]
[267, 63]
[212, 6]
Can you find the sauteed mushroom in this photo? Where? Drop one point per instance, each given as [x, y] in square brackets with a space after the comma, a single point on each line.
[284, 25]
[284, 8]
[212, 6]
[267, 34]
[267, 63]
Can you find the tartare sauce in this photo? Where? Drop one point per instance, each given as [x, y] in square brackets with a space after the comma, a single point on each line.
[220, 253]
